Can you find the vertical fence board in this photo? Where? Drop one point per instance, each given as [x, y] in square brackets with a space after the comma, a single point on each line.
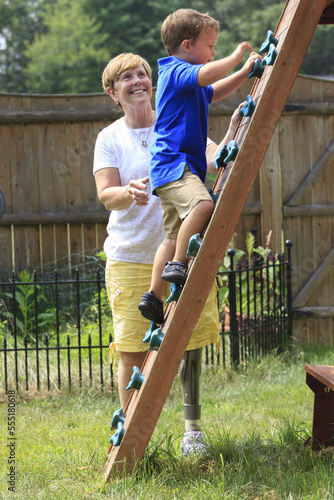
[59, 172]
[271, 197]
[18, 173]
[5, 165]
[27, 247]
[48, 244]
[101, 234]
[61, 243]
[88, 189]
[74, 177]
[5, 185]
[46, 187]
[30, 166]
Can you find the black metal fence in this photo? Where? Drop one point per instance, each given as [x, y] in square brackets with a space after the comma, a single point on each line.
[258, 316]
[56, 332]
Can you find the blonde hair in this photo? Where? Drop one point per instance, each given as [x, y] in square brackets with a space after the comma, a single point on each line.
[121, 63]
[185, 24]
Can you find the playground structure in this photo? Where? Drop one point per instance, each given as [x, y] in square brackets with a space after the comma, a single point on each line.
[285, 50]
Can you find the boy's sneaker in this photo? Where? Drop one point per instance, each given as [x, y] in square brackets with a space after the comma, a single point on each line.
[175, 272]
[194, 444]
[152, 308]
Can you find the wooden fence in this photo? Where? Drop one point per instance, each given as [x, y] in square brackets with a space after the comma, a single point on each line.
[47, 144]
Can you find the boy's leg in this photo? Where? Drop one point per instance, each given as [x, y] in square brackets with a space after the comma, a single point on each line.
[165, 252]
[151, 304]
[194, 223]
[194, 206]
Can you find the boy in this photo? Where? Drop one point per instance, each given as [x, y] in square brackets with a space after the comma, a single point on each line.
[188, 81]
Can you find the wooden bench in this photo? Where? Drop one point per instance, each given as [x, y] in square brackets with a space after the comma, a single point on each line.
[320, 379]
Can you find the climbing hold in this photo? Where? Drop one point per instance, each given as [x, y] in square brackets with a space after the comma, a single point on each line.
[248, 108]
[269, 59]
[116, 439]
[118, 416]
[213, 195]
[156, 339]
[257, 70]
[149, 332]
[175, 292]
[232, 151]
[270, 39]
[194, 244]
[136, 379]
[220, 157]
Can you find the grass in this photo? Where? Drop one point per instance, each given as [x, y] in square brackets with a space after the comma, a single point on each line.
[255, 422]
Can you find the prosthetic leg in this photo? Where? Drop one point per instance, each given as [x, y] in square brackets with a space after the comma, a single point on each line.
[191, 380]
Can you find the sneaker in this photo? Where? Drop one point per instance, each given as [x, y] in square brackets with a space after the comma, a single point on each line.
[194, 444]
[152, 308]
[175, 272]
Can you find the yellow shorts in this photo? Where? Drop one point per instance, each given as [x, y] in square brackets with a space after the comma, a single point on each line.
[126, 283]
[178, 198]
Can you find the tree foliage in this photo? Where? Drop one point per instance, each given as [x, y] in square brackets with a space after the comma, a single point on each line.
[20, 22]
[62, 46]
[69, 57]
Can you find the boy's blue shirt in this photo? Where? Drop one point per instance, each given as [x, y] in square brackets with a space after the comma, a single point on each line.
[180, 133]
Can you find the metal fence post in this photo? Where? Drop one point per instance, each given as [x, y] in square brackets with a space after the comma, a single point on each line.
[234, 333]
[288, 244]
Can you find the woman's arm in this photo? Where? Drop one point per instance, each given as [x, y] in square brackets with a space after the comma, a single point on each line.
[117, 197]
[212, 149]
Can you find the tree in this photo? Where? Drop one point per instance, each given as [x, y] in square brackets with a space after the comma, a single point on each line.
[132, 26]
[319, 59]
[70, 55]
[20, 21]
[247, 21]
[60, 46]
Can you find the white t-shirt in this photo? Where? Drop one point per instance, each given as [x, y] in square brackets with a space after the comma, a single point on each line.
[135, 233]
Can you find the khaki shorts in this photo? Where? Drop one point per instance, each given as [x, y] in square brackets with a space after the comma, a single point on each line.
[178, 198]
[126, 282]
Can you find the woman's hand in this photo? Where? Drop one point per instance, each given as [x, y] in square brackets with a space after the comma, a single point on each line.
[138, 191]
[117, 197]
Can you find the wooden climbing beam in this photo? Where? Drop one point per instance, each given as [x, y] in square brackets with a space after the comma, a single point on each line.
[294, 31]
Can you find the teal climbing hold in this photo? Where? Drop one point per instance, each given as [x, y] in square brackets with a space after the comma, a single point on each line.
[220, 157]
[175, 292]
[257, 70]
[269, 59]
[213, 195]
[149, 332]
[270, 39]
[136, 379]
[194, 244]
[232, 151]
[248, 108]
[156, 339]
[118, 416]
[116, 439]
[117, 421]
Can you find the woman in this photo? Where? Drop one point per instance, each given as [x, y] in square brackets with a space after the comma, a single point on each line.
[135, 231]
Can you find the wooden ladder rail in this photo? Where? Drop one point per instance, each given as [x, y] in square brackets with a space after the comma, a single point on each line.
[294, 31]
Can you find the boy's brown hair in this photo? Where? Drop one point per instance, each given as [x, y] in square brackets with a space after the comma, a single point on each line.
[185, 24]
